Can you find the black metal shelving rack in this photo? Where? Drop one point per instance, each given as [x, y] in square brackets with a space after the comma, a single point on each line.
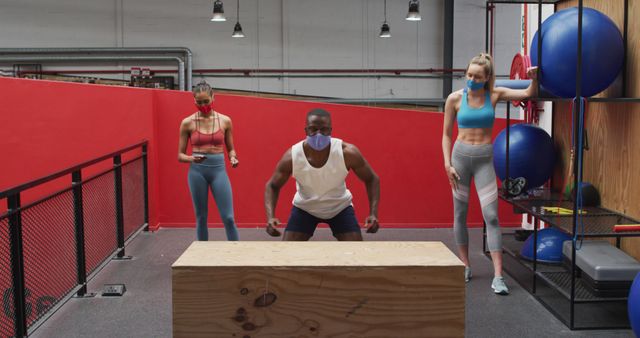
[559, 288]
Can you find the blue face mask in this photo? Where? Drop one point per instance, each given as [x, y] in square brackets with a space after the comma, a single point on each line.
[474, 85]
[318, 141]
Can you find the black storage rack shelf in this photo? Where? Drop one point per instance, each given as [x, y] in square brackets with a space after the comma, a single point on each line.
[557, 276]
[556, 280]
[561, 280]
[593, 222]
[559, 288]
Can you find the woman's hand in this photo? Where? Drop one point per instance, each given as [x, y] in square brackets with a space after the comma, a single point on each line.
[532, 73]
[453, 176]
[198, 158]
[234, 161]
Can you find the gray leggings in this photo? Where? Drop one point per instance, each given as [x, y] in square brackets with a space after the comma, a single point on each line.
[211, 173]
[476, 161]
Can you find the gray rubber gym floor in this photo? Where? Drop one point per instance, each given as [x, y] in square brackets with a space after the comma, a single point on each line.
[145, 309]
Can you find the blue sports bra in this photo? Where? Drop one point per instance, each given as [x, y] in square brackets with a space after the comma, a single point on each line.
[482, 117]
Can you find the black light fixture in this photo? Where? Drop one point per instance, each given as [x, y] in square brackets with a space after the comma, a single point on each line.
[385, 31]
[414, 11]
[237, 30]
[218, 11]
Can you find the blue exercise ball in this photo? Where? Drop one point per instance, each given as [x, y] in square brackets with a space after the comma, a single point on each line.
[634, 305]
[549, 246]
[590, 195]
[602, 52]
[531, 154]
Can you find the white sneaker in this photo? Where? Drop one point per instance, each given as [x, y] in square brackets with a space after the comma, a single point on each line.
[499, 287]
[467, 274]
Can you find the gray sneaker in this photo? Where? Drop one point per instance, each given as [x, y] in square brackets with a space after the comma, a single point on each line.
[467, 274]
[499, 287]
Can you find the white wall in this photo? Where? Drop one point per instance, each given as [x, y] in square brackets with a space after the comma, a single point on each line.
[280, 34]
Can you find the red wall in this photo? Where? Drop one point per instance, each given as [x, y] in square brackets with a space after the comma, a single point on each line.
[47, 126]
[402, 146]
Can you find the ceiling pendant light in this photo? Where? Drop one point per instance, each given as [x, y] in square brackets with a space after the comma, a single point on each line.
[414, 11]
[237, 30]
[385, 31]
[218, 12]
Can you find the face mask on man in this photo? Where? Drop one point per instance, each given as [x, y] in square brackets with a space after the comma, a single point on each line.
[318, 141]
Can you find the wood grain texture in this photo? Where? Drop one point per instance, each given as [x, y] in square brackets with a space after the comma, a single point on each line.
[298, 297]
[613, 162]
[258, 253]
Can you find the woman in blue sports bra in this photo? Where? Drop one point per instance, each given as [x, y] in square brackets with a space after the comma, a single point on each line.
[472, 157]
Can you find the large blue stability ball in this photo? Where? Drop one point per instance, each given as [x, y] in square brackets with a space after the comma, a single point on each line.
[634, 305]
[602, 52]
[531, 154]
[549, 246]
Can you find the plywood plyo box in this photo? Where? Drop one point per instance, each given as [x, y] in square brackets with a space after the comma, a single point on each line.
[318, 289]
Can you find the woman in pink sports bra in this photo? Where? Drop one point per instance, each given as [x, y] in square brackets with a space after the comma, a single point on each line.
[209, 133]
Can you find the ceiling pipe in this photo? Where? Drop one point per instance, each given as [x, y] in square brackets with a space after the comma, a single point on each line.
[188, 55]
[455, 72]
[360, 70]
[89, 58]
[424, 102]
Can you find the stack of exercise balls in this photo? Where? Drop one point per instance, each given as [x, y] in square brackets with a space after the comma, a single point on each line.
[531, 151]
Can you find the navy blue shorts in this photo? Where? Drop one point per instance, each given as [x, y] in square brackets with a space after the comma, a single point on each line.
[302, 221]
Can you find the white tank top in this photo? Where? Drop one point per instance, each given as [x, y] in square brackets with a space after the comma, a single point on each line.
[322, 192]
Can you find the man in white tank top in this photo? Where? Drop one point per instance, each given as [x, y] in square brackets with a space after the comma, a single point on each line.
[320, 165]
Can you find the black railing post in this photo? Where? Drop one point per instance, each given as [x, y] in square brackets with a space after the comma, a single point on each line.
[145, 182]
[539, 71]
[78, 212]
[486, 27]
[625, 35]
[507, 179]
[447, 58]
[536, 225]
[17, 265]
[117, 167]
[577, 180]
